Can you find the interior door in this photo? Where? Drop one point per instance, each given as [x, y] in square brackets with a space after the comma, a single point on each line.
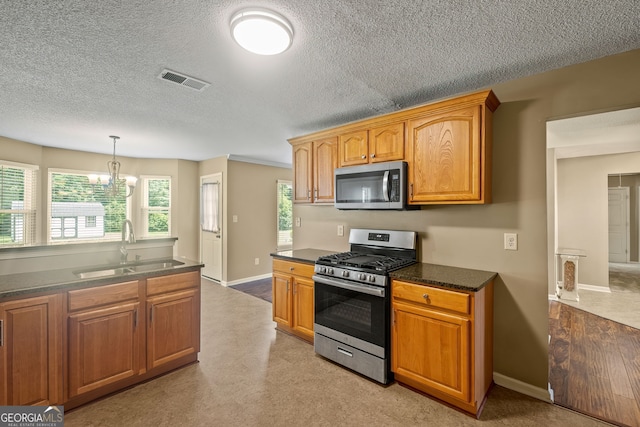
[619, 224]
[211, 236]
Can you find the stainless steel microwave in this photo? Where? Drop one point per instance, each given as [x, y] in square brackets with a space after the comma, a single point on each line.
[372, 186]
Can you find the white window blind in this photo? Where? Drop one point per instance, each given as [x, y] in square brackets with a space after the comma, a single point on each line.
[81, 211]
[156, 206]
[18, 186]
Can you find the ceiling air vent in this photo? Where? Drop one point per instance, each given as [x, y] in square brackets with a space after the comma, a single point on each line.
[183, 80]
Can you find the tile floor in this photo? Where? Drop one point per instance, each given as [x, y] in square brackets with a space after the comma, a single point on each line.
[621, 304]
[251, 375]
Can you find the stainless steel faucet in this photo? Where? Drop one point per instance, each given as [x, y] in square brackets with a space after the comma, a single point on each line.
[126, 238]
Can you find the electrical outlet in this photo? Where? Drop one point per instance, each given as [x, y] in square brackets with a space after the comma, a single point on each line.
[297, 221]
[341, 230]
[235, 218]
[510, 241]
[257, 261]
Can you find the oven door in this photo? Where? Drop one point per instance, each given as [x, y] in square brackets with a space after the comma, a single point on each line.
[354, 309]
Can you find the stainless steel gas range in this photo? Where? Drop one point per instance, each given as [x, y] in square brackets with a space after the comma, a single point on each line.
[353, 301]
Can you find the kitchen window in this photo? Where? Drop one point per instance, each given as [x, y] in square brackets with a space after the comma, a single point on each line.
[285, 214]
[81, 211]
[156, 206]
[18, 184]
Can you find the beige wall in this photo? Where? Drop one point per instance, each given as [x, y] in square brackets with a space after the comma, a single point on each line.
[184, 175]
[583, 209]
[249, 192]
[472, 236]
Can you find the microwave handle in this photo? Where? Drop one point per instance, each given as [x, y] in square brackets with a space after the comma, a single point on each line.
[385, 186]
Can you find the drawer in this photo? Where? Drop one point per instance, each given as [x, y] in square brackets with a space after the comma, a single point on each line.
[296, 268]
[172, 282]
[431, 297]
[103, 295]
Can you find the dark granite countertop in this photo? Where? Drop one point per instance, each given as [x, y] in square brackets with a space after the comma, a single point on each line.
[303, 255]
[65, 279]
[441, 275]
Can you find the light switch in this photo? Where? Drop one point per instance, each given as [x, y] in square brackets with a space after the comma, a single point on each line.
[235, 218]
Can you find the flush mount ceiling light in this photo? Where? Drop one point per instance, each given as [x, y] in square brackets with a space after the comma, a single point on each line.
[261, 31]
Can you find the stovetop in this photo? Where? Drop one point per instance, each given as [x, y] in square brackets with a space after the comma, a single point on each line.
[365, 262]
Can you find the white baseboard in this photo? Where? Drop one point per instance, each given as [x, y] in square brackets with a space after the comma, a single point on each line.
[594, 288]
[246, 279]
[522, 387]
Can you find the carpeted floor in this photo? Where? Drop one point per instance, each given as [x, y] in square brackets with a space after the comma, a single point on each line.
[257, 288]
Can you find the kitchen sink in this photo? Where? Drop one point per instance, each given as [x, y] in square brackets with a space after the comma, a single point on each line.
[122, 269]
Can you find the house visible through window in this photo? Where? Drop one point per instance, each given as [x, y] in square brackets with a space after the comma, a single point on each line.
[285, 214]
[81, 211]
[156, 206]
[18, 183]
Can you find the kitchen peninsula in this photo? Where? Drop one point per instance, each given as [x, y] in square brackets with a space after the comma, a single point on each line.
[84, 330]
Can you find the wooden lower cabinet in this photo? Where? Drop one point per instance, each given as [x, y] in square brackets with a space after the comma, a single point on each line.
[125, 333]
[104, 337]
[442, 342]
[173, 330]
[292, 289]
[31, 351]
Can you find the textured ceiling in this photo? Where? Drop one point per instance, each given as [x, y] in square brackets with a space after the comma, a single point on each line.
[74, 72]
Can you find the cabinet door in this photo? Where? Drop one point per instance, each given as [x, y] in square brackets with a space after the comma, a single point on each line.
[281, 304]
[386, 143]
[302, 173]
[325, 160]
[354, 148]
[103, 347]
[30, 353]
[432, 348]
[445, 157]
[174, 327]
[303, 306]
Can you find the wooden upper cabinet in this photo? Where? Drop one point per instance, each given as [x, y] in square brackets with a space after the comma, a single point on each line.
[386, 143]
[325, 160]
[302, 172]
[445, 157]
[447, 147]
[354, 148]
[378, 144]
[313, 166]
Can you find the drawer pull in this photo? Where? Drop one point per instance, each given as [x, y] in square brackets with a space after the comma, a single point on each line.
[426, 297]
[290, 268]
[345, 352]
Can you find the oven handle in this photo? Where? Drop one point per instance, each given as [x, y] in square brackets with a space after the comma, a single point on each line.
[339, 283]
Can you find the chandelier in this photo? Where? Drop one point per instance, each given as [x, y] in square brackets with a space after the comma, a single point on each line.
[112, 184]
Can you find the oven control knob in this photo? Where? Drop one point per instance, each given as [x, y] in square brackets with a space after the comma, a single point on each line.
[372, 279]
[345, 273]
[330, 270]
[362, 276]
[323, 269]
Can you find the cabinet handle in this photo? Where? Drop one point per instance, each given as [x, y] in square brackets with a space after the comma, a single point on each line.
[1, 332]
[315, 194]
[291, 268]
[294, 289]
[308, 194]
[151, 315]
[426, 297]
[287, 286]
[373, 155]
[364, 156]
[135, 319]
[411, 190]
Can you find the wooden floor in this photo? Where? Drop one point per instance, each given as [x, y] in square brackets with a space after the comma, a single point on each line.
[594, 365]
